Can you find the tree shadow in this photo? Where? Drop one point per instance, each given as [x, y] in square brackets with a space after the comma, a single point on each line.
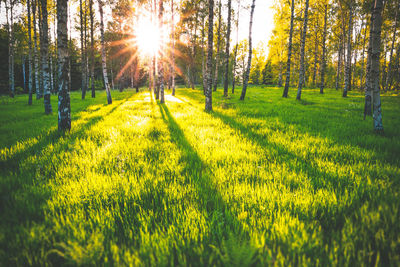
[30, 121]
[319, 179]
[212, 200]
[327, 124]
[330, 220]
[23, 197]
[50, 138]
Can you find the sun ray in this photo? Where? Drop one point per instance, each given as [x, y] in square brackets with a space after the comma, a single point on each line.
[131, 59]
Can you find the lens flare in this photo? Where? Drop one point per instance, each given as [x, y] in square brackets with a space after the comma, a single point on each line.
[147, 36]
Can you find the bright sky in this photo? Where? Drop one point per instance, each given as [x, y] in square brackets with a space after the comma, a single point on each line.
[263, 22]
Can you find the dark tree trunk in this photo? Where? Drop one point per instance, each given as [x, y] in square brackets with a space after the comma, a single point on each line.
[372, 87]
[203, 60]
[339, 64]
[23, 73]
[92, 48]
[388, 82]
[83, 59]
[10, 31]
[302, 50]
[215, 83]
[235, 53]
[228, 36]
[323, 60]
[208, 94]
[315, 57]
[69, 49]
[247, 74]
[45, 59]
[103, 53]
[64, 107]
[368, 86]
[374, 76]
[287, 83]
[40, 26]
[347, 79]
[155, 78]
[35, 50]
[28, 3]
[173, 49]
[161, 62]
[363, 56]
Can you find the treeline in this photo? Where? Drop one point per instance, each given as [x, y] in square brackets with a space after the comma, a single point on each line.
[22, 32]
[345, 44]
[355, 52]
[337, 43]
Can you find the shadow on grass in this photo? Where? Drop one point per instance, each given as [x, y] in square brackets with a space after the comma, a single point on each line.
[213, 202]
[23, 195]
[331, 220]
[326, 121]
[30, 121]
[51, 137]
[319, 179]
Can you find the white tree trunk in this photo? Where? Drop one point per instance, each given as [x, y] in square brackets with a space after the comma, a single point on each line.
[374, 72]
[287, 82]
[209, 55]
[161, 62]
[247, 73]
[347, 79]
[173, 48]
[215, 82]
[302, 51]
[35, 52]
[64, 107]
[44, 49]
[228, 36]
[28, 2]
[103, 54]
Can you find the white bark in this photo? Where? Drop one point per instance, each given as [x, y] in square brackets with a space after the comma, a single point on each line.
[103, 54]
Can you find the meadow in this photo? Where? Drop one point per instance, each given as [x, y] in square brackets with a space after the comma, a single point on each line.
[265, 181]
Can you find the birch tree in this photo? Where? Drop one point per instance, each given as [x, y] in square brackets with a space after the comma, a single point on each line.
[323, 59]
[28, 3]
[372, 87]
[215, 82]
[302, 51]
[210, 36]
[247, 73]
[92, 48]
[173, 48]
[103, 53]
[236, 50]
[64, 107]
[287, 82]
[161, 63]
[10, 31]
[35, 50]
[83, 59]
[44, 46]
[228, 36]
[389, 72]
[347, 79]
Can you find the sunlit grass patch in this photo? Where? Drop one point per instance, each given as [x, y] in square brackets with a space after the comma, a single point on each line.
[260, 182]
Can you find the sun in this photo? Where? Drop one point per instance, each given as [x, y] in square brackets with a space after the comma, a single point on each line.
[147, 36]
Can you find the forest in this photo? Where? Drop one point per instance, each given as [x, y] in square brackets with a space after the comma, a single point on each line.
[163, 132]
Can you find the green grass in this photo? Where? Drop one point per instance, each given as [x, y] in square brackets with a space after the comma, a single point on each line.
[261, 182]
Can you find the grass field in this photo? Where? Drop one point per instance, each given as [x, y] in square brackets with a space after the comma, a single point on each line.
[260, 182]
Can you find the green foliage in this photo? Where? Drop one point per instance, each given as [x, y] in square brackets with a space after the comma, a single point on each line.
[257, 64]
[267, 76]
[268, 181]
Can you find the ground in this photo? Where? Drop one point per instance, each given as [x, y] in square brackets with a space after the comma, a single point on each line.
[259, 182]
